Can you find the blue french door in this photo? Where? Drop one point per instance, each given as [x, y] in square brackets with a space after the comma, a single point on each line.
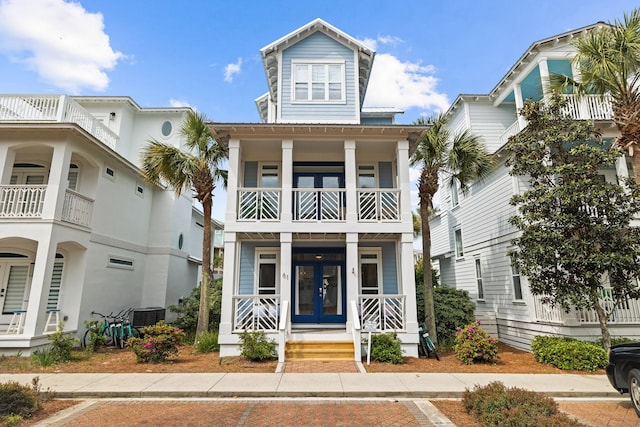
[316, 200]
[318, 289]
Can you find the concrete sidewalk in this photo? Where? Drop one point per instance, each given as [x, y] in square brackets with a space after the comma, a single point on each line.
[351, 385]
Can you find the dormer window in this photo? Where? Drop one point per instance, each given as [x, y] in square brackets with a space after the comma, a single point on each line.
[318, 82]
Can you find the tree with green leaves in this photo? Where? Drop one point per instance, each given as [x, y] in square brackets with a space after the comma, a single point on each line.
[608, 60]
[575, 232]
[197, 170]
[440, 154]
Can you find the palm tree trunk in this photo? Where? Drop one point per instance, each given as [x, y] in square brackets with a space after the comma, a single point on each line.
[429, 309]
[203, 311]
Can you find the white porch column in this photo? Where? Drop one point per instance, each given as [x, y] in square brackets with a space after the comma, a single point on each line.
[57, 183]
[287, 181]
[404, 185]
[408, 282]
[6, 167]
[352, 277]
[233, 181]
[545, 80]
[517, 93]
[350, 181]
[229, 279]
[40, 283]
[285, 271]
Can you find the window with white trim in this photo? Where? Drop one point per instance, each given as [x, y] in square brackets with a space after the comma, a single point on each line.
[458, 242]
[269, 175]
[318, 82]
[367, 176]
[515, 280]
[370, 261]
[479, 279]
[455, 199]
[267, 268]
[120, 262]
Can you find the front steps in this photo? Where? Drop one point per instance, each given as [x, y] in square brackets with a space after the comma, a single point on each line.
[319, 350]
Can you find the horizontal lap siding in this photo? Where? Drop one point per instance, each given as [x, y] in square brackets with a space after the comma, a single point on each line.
[489, 122]
[246, 278]
[318, 47]
[389, 265]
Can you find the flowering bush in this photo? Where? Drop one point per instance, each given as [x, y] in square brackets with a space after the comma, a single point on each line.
[158, 342]
[473, 344]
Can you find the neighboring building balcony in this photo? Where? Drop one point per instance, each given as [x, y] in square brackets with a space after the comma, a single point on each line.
[586, 107]
[627, 312]
[54, 108]
[27, 201]
[313, 205]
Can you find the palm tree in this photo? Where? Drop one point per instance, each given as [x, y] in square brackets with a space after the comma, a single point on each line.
[198, 170]
[461, 156]
[609, 62]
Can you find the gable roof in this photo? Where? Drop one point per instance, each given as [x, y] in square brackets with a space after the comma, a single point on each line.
[270, 53]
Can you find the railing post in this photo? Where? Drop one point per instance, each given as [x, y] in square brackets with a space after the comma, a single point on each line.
[62, 107]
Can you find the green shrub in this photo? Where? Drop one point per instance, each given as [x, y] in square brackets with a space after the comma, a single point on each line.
[19, 401]
[386, 348]
[207, 343]
[188, 308]
[473, 344]
[615, 341]
[157, 344]
[496, 405]
[96, 340]
[43, 357]
[569, 353]
[255, 346]
[59, 350]
[453, 309]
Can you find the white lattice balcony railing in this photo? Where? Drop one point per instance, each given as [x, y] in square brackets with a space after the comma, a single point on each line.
[378, 205]
[54, 108]
[627, 311]
[589, 107]
[386, 311]
[22, 201]
[319, 205]
[258, 205]
[77, 209]
[256, 312]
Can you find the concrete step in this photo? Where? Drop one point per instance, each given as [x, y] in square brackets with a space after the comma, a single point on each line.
[319, 350]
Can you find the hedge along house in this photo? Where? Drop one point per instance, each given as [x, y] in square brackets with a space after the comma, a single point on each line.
[80, 229]
[471, 235]
[318, 227]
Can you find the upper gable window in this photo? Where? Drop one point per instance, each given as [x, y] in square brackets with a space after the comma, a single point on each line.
[318, 82]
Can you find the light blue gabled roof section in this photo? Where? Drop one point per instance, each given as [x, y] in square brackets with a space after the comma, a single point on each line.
[270, 56]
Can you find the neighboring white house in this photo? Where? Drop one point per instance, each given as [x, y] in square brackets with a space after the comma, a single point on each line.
[318, 228]
[471, 234]
[80, 229]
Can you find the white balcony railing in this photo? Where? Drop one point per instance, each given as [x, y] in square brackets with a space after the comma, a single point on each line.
[514, 129]
[627, 311]
[77, 208]
[256, 312]
[589, 107]
[258, 205]
[318, 205]
[386, 311]
[378, 205]
[54, 108]
[22, 201]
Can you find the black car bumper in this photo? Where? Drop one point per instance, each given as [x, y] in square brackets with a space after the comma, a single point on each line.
[612, 377]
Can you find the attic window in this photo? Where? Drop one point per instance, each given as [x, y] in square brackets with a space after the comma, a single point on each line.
[318, 82]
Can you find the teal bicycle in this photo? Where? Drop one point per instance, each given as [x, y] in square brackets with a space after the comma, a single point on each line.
[426, 347]
[113, 329]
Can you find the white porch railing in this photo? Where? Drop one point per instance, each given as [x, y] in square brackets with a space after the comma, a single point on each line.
[77, 208]
[22, 201]
[256, 312]
[318, 204]
[387, 311]
[589, 107]
[511, 130]
[54, 108]
[258, 205]
[378, 205]
[626, 312]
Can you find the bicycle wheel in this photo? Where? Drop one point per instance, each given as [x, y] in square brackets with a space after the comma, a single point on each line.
[431, 347]
[86, 338]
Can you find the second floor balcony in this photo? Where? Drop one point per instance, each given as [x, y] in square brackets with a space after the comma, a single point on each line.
[318, 204]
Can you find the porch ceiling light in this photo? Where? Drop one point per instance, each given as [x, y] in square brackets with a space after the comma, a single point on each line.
[318, 256]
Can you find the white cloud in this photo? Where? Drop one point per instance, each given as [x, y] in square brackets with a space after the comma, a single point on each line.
[392, 40]
[176, 103]
[370, 43]
[59, 40]
[232, 69]
[404, 85]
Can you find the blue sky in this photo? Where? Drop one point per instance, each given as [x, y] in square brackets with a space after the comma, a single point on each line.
[205, 54]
